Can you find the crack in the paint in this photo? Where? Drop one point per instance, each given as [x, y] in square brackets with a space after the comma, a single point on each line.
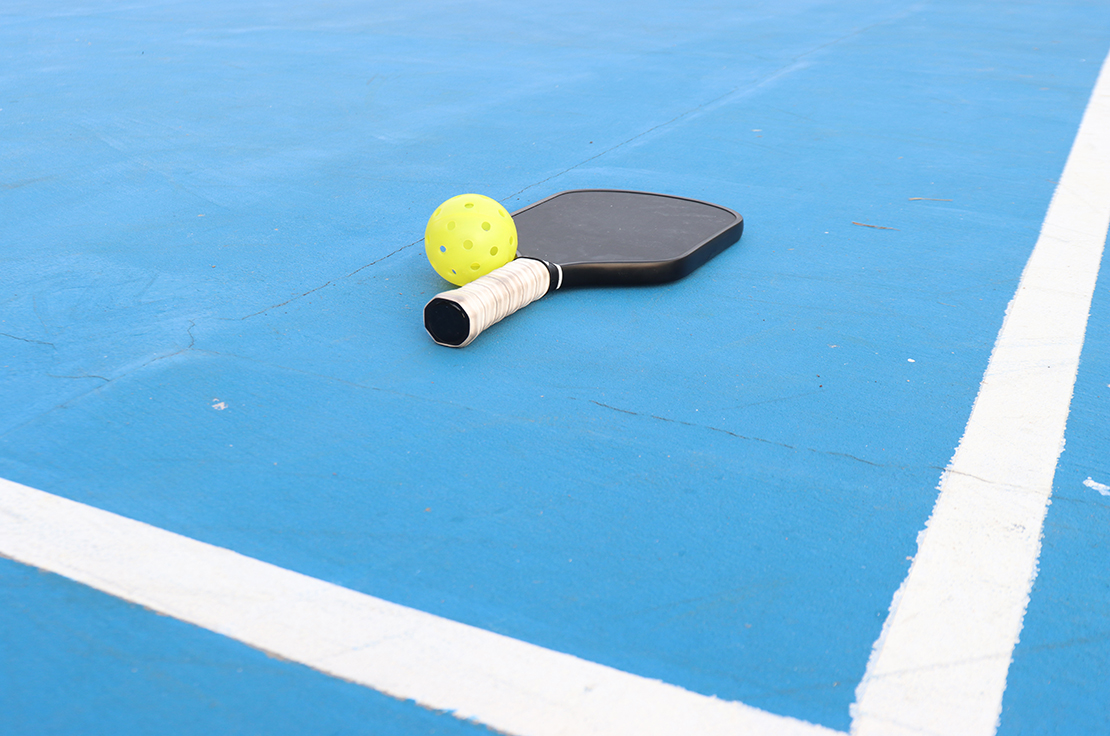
[795, 63]
[326, 284]
[35, 309]
[24, 182]
[853, 457]
[935, 666]
[744, 437]
[1078, 641]
[83, 394]
[86, 375]
[1011, 486]
[24, 339]
[952, 471]
[187, 348]
[690, 424]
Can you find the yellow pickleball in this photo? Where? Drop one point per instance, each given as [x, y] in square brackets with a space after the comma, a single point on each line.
[468, 236]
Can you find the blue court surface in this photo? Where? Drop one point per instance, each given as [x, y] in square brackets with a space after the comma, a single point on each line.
[739, 488]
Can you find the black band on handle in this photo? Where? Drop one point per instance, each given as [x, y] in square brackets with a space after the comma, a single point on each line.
[455, 318]
[447, 322]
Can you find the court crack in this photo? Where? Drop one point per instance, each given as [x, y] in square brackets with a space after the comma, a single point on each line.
[25, 339]
[744, 437]
[796, 63]
[73, 399]
[326, 284]
[88, 375]
[934, 666]
[989, 482]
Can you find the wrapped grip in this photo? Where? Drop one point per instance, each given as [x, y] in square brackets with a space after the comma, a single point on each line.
[454, 318]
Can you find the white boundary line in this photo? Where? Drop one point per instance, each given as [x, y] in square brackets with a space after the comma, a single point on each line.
[509, 685]
[940, 664]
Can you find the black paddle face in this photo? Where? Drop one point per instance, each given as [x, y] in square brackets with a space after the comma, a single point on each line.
[608, 236]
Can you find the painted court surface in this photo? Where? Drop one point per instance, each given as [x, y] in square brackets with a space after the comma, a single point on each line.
[243, 492]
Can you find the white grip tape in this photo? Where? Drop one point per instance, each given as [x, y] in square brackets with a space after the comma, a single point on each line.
[493, 297]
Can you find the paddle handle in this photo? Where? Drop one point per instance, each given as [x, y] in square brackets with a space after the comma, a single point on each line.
[454, 318]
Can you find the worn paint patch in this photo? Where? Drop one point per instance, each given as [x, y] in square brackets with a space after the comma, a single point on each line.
[1095, 485]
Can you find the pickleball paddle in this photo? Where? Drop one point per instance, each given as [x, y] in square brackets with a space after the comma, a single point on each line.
[586, 237]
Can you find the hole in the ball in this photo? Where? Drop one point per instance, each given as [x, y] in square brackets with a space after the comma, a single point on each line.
[454, 271]
[451, 225]
[468, 244]
[475, 266]
[469, 205]
[503, 213]
[493, 251]
[485, 226]
[443, 249]
[512, 239]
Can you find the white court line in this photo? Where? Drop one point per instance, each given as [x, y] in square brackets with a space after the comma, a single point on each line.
[509, 685]
[940, 664]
